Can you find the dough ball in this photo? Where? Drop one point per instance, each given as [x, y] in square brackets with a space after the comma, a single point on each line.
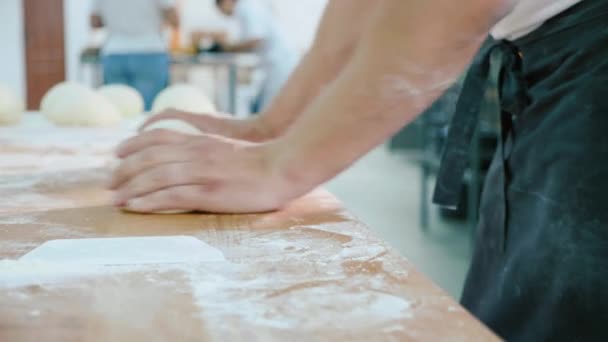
[127, 100]
[11, 106]
[85, 108]
[183, 97]
[61, 91]
[174, 125]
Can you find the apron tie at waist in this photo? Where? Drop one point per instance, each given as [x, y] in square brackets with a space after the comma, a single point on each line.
[494, 85]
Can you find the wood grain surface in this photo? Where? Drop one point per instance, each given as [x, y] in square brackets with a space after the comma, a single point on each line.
[310, 272]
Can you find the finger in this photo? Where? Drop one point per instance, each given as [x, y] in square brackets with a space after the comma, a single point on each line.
[148, 158]
[158, 178]
[147, 139]
[187, 197]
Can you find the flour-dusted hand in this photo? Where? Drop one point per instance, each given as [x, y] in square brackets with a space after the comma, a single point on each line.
[163, 170]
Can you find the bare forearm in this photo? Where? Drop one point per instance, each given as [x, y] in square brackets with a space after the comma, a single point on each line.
[334, 43]
[412, 53]
[308, 80]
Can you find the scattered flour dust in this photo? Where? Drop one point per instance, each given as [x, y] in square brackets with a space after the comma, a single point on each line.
[296, 294]
[24, 273]
[15, 273]
[297, 301]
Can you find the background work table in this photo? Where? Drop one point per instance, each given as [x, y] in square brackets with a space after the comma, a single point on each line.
[308, 272]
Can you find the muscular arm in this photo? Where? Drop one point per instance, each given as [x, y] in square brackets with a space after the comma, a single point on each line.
[339, 32]
[413, 51]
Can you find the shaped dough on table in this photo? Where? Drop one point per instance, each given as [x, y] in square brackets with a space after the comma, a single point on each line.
[174, 125]
[71, 104]
[127, 100]
[11, 106]
[183, 97]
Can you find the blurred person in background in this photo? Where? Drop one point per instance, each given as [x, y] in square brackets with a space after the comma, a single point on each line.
[261, 34]
[135, 53]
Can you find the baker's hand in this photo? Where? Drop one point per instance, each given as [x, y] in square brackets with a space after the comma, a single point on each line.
[163, 170]
[251, 129]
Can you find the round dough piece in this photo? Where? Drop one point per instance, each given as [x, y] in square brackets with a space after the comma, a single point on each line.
[185, 98]
[11, 106]
[174, 125]
[127, 100]
[84, 108]
[61, 91]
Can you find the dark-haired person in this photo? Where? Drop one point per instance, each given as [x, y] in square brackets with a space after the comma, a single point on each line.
[540, 267]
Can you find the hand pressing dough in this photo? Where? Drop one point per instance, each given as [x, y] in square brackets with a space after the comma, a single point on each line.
[174, 125]
[185, 98]
[178, 126]
[128, 101]
[70, 104]
[11, 107]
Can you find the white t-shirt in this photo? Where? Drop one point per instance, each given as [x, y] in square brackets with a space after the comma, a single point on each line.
[257, 21]
[527, 16]
[134, 26]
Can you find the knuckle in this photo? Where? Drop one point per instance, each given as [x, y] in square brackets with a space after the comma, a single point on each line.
[177, 196]
[145, 158]
[124, 169]
[210, 186]
[164, 136]
[169, 175]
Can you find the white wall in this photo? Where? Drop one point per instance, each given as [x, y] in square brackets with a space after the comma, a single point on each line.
[300, 19]
[12, 57]
[77, 33]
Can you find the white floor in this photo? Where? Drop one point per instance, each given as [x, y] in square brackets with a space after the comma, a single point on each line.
[383, 190]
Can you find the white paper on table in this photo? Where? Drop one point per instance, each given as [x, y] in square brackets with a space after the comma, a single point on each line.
[126, 251]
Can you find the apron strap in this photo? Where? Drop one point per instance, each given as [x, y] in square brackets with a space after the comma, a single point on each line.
[494, 73]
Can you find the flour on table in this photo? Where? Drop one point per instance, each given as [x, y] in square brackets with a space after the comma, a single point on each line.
[16, 273]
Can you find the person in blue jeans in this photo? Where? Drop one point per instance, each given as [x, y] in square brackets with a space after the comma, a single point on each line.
[135, 53]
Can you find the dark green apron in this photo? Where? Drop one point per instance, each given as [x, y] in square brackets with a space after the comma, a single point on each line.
[540, 266]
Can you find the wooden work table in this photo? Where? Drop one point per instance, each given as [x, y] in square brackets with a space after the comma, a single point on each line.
[309, 272]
